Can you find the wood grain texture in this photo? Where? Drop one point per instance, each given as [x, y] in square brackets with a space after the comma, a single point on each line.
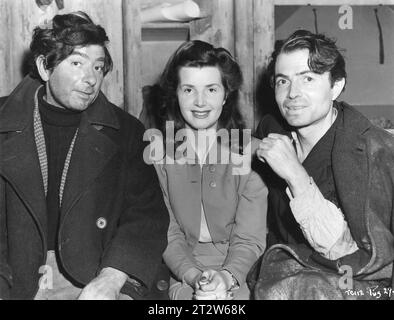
[218, 26]
[244, 54]
[132, 56]
[18, 19]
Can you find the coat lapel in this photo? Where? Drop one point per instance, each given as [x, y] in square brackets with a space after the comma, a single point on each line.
[19, 159]
[350, 166]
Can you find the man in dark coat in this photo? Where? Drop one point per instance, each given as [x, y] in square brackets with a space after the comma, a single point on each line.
[81, 213]
[330, 175]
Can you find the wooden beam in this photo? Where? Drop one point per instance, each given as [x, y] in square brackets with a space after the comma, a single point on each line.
[244, 55]
[333, 2]
[112, 23]
[264, 38]
[218, 26]
[132, 57]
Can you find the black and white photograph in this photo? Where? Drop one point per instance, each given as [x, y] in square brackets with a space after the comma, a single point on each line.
[172, 151]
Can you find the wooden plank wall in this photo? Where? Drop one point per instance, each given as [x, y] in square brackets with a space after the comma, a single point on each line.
[132, 57]
[18, 19]
[239, 26]
[244, 45]
[246, 29]
[217, 27]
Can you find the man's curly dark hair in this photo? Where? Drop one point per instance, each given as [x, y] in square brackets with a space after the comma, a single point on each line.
[57, 41]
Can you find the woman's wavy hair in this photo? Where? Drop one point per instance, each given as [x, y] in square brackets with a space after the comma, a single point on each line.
[198, 54]
[57, 40]
[324, 55]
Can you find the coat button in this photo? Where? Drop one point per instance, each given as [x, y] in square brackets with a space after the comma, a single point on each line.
[212, 168]
[101, 223]
[212, 184]
[162, 285]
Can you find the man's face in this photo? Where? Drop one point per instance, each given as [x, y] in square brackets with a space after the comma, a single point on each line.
[76, 81]
[201, 96]
[304, 97]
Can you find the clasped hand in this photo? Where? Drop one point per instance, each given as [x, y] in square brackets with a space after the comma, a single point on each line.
[213, 285]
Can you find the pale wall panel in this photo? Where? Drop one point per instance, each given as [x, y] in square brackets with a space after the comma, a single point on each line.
[18, 19]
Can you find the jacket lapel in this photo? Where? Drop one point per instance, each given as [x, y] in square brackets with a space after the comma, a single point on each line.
[19, 159]
[350, 166]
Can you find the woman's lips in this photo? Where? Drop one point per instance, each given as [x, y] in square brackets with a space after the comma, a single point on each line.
[200, 114]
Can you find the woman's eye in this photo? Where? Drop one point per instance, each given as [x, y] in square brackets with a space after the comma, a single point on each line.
[76, 63]
[213, 90]
[187, 90]
[99, 68]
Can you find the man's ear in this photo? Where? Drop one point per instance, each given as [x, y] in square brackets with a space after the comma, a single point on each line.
[42, 70]
[337, 88]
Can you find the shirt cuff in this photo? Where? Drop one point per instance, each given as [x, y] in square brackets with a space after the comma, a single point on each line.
[322, 223]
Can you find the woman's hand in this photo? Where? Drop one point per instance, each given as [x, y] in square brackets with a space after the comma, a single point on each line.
[213, 285]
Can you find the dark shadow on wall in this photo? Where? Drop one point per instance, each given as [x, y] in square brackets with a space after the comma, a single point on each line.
[150, 99]
[26, 62]
[265, 97]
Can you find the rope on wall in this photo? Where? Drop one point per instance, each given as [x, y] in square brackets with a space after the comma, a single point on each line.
[315, 19]
[381, 44]
[42, 4]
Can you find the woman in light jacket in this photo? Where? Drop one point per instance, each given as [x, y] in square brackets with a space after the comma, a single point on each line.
[217, 211]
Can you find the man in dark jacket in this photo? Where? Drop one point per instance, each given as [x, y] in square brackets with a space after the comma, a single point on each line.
[81, 213]
[330, 174]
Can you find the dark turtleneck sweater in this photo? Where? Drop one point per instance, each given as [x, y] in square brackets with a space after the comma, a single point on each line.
[59, 127]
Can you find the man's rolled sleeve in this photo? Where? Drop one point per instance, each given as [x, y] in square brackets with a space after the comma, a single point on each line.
[322, 223]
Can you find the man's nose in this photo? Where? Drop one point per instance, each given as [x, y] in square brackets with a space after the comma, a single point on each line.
[294, 90]
[90, 76]
[200, 99]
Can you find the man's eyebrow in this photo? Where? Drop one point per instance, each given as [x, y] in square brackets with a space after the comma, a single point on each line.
[304, 72]
[281, 75]
[84, 55]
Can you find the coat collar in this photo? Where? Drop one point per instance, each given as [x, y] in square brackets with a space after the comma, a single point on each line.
[17, 111]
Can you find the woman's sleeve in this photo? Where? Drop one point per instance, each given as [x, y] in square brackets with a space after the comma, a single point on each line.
[248, 237]
[178, 254]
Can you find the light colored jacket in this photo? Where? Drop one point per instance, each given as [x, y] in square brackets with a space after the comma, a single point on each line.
[235, 207]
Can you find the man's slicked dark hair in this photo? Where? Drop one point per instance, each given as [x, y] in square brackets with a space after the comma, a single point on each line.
[324, 55]
[58, 41]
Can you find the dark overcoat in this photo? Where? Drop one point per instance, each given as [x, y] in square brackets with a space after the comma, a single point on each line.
[112, 212]
[363, 170]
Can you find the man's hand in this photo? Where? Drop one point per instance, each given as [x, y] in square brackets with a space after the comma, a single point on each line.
[278, 152]
[106, 286]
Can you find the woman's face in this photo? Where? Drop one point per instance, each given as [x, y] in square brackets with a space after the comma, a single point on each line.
[201, 96]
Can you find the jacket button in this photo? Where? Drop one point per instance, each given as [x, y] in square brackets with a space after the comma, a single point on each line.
[101, 223]
[162, 285]
[212, 168]
[212, 184]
